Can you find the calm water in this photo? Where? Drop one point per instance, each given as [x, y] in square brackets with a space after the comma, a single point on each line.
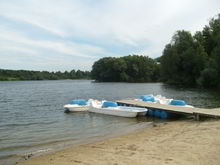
[32, 118]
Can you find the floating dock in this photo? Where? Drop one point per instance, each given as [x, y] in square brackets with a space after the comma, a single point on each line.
[197, 112]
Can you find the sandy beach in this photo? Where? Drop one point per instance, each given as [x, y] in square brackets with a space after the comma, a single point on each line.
[176, 142]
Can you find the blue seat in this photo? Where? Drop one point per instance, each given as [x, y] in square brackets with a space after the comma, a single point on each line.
[147, 98]
[109, 104]
[178, 102]
[79, 102]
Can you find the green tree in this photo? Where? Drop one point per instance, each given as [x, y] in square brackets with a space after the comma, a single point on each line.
[125, 69]
[210, 76]
[44, 75]
[182, 60]
[193, 60]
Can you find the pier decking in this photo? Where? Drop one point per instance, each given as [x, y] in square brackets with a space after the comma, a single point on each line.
[197, 112]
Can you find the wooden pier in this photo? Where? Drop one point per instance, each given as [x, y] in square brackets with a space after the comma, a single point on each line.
[197, 112]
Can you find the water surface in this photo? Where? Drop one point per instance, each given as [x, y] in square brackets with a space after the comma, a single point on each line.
[32, 118]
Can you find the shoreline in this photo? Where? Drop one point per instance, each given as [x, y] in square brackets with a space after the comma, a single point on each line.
[57, 146]
[172, 142]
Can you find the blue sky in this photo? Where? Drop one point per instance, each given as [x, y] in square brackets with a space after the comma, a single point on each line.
[63, 35]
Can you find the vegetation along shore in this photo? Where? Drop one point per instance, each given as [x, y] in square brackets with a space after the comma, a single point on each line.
[8, 75]
[188, 60]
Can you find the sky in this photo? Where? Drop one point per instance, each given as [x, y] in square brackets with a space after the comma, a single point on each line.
[59, 35]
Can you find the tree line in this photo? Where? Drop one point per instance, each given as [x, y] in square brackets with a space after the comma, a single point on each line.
[188, 60]
[193, 60]
[132, 68]
[6, 75]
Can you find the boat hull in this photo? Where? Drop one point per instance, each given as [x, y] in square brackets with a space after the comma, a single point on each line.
[142, 113]
[114, 111]
[73, 108]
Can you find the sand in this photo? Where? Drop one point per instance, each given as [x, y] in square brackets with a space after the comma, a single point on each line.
[176, 142]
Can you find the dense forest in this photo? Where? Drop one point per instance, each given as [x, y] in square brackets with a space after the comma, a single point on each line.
[126, 69]
[193, 60]
[188, 60]
[6, 75]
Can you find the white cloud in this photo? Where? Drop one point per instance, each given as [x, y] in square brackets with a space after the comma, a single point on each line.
[15, 49]
[65, 47]
[143, 25]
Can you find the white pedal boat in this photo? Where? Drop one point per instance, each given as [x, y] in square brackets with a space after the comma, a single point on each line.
[77, 106]
[158, 99]
[111, 108]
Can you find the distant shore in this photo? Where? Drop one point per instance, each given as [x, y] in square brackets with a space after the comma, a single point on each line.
[42, 79]
[16, 75]
[177, 142]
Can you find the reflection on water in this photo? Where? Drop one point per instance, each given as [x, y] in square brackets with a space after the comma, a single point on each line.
[32, 118]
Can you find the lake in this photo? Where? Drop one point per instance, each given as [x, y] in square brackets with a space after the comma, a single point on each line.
[32, 118]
